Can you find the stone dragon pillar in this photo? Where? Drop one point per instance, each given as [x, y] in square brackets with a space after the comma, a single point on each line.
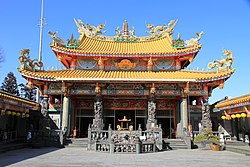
[98, 121]
[151, 122]
[205, 118]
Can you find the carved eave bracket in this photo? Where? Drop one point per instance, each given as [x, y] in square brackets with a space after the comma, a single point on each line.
[97, 89]
[65, 89]
[152, 90]
[186, 90]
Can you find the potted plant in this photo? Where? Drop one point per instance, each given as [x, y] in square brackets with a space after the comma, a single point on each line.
[207, 137]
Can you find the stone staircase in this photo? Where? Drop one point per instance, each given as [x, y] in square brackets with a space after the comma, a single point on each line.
[238, 147]
[77, 142]
[176, 144]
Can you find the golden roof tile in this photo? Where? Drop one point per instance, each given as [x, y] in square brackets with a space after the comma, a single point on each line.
[88, 75]
[156, 46]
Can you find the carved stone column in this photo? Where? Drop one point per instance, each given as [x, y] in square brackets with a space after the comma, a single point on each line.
[65, 114]
[183, 117]
[98, 121]
[151, 122]
[205, 117]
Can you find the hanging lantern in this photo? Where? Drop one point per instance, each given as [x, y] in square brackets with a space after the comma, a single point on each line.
[3, 112]
[233, 116]
[238, 115]
[13, 113]
[23, 115]
[243, 115]
[27, 115]
[223, 117]
[18, 114]
[8, 112]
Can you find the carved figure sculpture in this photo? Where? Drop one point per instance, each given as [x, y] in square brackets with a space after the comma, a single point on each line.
[45, 106]
[194, 41]
[27, 63]
[225, 63]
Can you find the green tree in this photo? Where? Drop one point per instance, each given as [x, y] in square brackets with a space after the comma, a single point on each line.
[10, 84]
[28, 93]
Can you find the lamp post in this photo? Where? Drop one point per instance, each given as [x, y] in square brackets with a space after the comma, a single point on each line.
[60, 123]
[189, 115]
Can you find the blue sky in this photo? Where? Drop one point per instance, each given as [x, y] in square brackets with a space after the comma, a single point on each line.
[226, 24]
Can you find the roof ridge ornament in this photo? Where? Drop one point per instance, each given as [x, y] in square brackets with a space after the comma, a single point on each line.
[56, 40]
[27, 63]
[159, 31]
[124, 35]
[194, 41]
[127, 36]
[89, 30]
[224, 64]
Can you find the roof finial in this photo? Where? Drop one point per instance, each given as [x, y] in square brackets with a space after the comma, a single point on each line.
[125, 27]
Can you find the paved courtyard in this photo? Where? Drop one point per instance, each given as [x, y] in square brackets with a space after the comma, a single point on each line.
[46, 157]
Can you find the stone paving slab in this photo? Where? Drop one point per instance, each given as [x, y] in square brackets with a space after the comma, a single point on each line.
[75, 157]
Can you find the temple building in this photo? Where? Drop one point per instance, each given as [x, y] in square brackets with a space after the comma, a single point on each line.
[18, 117]
[141, 80]
[235, 115]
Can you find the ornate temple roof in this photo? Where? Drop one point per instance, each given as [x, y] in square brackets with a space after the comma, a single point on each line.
[152, 47]
[92, 42]
[159, 76]
[235, 101]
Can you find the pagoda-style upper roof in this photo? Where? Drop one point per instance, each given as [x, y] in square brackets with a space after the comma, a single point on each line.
[92, 42]
[161, 46]
[159, 76]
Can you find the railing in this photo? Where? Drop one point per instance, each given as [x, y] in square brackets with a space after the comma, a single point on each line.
[195, 133]
[124, 141]
[8, 136]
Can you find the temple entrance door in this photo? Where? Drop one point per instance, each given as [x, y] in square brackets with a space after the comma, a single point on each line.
[124, 118]
[167, 127]
[82, 124]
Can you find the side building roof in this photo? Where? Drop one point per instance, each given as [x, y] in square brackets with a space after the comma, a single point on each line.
[234, 101]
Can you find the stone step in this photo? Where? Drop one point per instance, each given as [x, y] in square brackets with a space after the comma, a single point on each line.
[77, 145]
[235, 143]
[77, 142]
[176, 144]
[238, 150]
